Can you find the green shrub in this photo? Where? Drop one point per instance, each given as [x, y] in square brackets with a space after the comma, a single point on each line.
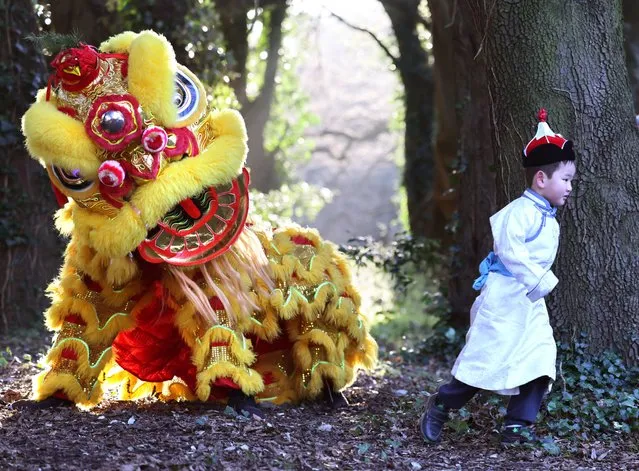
[5, 356]
[594, 394]
[411, 270]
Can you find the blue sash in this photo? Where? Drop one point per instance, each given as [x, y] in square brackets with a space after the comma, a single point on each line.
[490, 263]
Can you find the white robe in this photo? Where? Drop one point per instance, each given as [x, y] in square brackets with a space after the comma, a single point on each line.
[510, 341]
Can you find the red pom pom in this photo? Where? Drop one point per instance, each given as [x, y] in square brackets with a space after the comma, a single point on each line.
[542, 116]
[154, 139]
[111, 173]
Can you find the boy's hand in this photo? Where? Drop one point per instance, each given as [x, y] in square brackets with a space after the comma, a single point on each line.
[545, 286]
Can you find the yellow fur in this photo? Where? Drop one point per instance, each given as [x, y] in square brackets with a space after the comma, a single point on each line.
[84, 369]
[219, 163]
[58, 139]
[47, 383]
[119, 43]
[286, 294]
[250, 382]
[151, 77]
[114, 237]
[64, 219]
[121, 270]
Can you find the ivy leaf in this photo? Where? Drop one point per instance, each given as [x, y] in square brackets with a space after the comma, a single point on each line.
[551, 447]
[362, 448]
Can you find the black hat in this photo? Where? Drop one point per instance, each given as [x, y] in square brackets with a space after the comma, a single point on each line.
[546, 147]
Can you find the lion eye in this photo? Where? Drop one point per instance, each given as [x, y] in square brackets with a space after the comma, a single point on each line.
[71, 180]
[112, 121]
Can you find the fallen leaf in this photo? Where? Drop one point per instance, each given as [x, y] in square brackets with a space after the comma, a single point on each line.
[325, 428]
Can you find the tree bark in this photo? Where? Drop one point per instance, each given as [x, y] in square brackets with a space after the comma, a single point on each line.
[264, 175]
[631, 30]
[256, 112]
[31, 251]
[90, 19]
[568, 57]
[417, 78]
[445, 185]
[94, 22]
[477, 180]
[234, 25]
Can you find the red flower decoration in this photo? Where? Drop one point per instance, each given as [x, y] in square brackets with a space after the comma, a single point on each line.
[76, 68]
[181, 141]
[114, 121]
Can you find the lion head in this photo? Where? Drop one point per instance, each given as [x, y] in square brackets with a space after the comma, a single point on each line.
[126, 135]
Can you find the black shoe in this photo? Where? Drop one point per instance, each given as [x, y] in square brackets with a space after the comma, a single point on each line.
[245, 405]
[433, 420]
[517, 434]
[335, 399]
[48, 403]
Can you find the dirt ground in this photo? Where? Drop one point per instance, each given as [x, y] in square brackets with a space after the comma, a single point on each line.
[377, 431]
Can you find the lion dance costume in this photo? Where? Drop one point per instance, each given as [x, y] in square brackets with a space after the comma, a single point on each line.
[165, 289]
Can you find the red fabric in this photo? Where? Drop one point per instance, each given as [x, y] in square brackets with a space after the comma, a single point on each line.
[76, 68]
[191, 209]
[260, 347]
[225, 383]
[129, 106]
[268, 378]
[60, 197]
[216, 303]
[69, 354]
[555, 140]
[91, 284]
[154, 350]
[60, 395]
[75, 319]
[124, 68]
[185, 143]
[301, 240]
[542, 116]
[222, 240]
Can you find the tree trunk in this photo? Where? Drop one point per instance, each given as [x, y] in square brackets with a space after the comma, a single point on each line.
[477, 179]
[31, 251]
[233, 19]
[631, 30]
[94, 22]
[264, 175]
[90, 19]
[445, 185]
[234, 25]
[568, 57]
[417, 78]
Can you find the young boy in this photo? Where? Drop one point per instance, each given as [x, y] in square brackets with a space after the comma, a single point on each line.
[510, 347]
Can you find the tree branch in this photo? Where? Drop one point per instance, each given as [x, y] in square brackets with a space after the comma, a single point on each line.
[378, 128]
[371, 34]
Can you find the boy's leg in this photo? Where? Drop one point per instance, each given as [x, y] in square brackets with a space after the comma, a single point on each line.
[451, 396]
[522, 411]
[523, 408]
[455, 394]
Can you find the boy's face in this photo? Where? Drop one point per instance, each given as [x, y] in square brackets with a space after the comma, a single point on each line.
[557, 188]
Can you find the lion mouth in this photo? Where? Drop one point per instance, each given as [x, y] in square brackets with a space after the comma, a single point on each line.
[200, 228]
